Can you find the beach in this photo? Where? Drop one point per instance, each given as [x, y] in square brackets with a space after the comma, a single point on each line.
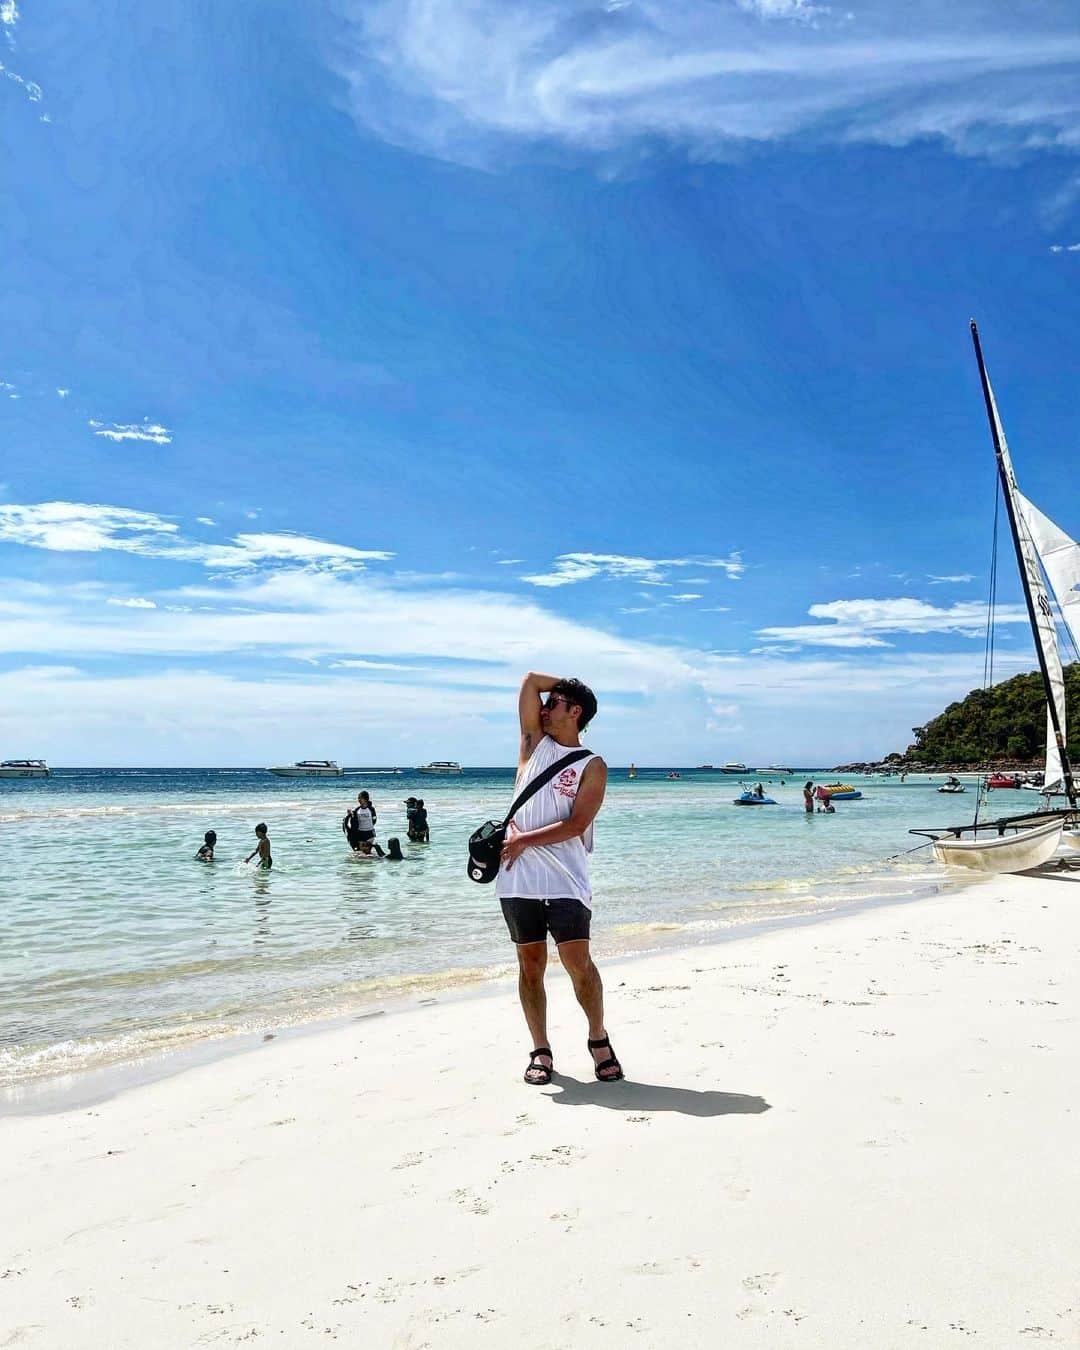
[854, 1131]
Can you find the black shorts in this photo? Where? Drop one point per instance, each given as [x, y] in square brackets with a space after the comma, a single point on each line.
[532, 920]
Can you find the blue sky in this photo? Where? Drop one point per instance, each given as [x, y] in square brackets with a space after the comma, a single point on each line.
[357, 357]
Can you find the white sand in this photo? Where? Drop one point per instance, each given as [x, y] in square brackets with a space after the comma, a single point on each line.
[861, 1133]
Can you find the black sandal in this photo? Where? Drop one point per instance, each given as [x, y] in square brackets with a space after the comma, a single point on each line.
[604, 1043]
[536, 1067]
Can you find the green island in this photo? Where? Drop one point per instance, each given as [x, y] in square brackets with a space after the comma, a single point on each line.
[996, 728]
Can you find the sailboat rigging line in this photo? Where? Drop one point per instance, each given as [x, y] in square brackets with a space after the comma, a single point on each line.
[988, 399]
[906, 851]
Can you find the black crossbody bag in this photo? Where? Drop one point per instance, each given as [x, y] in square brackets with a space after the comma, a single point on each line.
[485, 844]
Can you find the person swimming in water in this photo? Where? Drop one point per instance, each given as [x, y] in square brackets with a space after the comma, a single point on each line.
[206, 853]
[393, 850]
[262, 848]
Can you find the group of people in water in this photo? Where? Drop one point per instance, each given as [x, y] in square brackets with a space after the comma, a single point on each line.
[824, 804]
[358, 826]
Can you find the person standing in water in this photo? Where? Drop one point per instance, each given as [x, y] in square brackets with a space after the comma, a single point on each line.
[206, 852]
[543, 883]
[262, 848]
[808, 797]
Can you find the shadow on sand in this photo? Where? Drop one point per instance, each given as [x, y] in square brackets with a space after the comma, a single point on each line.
[628, 1096]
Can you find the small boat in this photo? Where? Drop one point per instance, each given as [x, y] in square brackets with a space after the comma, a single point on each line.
[442, 766]
[752, 799]
[1045, 556]
[838, 792]
[704, 766]
[308, 768]
[777, 768]
[952, 786]
[1018, 852]
[735, 768]
[25, 768]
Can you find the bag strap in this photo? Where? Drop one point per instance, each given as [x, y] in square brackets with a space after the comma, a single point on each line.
[541, 780]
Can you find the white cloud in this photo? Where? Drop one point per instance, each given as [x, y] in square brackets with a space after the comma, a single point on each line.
[32, 90]
[144, 431]
[570, 568]
[204, 520]
[468, 80]
[63, 392]
[90, 528]
[1065, 248]
[509, 562]
[687, 595]
[135, 602]
[800, 10]
[959, 577]
[9, 13]
[857, 623]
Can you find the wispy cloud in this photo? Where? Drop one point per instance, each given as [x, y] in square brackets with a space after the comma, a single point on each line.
[570, 568]
[687, 595]
[81, 527]
[143, 431]
[470, 79]
[63, 393]
[859, 623]
[958, 577]
[204, 520]
[134, 602]
[1065, 248]
[9, 13]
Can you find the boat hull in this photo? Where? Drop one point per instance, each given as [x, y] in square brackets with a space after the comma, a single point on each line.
[25, 773]
[290, 771]
[1008, 853]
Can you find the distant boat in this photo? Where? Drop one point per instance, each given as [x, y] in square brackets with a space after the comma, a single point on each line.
[704, 766]
[953, 785]
[443, 766]
[777, 768]
[1003, 780]
[25, 768]
[735, 768]
[309, 768]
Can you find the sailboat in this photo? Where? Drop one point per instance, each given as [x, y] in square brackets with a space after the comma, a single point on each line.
[1018, 843]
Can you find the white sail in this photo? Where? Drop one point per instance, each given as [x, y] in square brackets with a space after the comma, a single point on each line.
[1045, 628]
[1061, 562]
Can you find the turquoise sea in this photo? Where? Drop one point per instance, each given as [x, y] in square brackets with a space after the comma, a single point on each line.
[116, 945]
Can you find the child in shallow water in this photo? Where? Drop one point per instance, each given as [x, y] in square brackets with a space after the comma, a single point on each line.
[206, 853]
[262, 848]
[393, 850]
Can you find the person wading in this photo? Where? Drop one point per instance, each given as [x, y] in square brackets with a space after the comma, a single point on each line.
[543, 883]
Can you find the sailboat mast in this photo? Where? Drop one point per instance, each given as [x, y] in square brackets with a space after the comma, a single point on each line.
[1007, 493]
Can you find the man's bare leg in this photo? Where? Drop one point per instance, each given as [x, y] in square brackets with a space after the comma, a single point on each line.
[532, 962]
[589, 989]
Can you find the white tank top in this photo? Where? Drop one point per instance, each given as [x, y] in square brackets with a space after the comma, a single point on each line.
[552, 871]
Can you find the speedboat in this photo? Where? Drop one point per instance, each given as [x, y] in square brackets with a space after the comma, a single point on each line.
[953, 785]
[777, 768]
[735, 768]
[1003, 780]
[752, 799]
[443, 766]
[309, 768]
[24, 768]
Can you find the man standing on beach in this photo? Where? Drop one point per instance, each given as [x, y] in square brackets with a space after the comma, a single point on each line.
[543, 883]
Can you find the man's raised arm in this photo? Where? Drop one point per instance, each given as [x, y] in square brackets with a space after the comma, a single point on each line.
[533, 688]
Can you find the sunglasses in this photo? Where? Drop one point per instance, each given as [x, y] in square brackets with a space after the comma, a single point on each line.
[553, 699]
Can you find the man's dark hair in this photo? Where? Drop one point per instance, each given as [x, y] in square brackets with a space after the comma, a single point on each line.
[580, 694]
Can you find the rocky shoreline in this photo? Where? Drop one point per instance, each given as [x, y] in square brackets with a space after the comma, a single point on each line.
[1020, 766]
